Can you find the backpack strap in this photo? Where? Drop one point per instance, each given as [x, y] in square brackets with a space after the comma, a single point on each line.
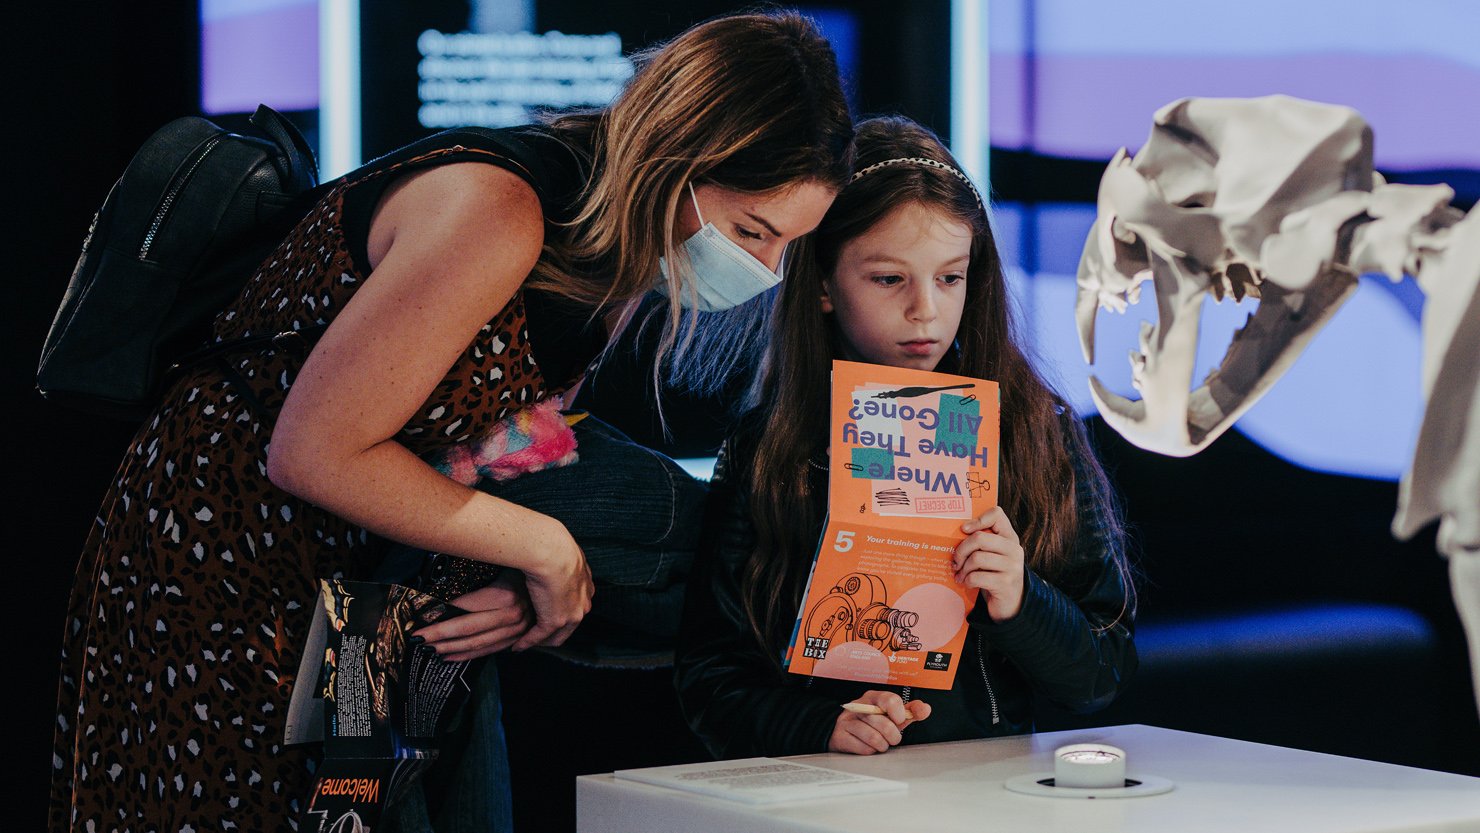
[293, 341]
[297, 165]
[298, 341]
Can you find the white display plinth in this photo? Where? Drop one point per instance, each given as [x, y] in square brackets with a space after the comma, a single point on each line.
[1221, 786]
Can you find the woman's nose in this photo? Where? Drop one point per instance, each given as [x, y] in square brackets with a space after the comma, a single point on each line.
[772, 254]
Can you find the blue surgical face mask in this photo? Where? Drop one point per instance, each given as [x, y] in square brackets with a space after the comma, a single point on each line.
[723, 274]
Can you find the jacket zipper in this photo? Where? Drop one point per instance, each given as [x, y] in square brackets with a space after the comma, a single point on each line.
[168, 203]
[981, 662]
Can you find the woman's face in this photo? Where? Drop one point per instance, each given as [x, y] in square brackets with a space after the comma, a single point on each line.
[762, 224]
[899, 288]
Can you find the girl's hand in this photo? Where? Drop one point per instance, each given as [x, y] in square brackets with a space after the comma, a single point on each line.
[498, 615]
[865, 734]
[991, 560]
[559, 589]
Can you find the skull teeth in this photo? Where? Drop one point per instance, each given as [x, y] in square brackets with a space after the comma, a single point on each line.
[1138, 369]
[1113, 301]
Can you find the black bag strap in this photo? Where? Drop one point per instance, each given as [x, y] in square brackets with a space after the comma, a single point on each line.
[302, 168]
[296, 341]
[300, 340]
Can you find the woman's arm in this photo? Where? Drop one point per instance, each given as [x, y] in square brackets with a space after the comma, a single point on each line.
[449, 248]
[1078, 651]
[734, 697]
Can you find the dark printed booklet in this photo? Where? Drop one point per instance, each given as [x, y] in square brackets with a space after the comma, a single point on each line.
[377, 702]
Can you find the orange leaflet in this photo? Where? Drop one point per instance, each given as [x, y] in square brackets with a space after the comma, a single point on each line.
[913, 455]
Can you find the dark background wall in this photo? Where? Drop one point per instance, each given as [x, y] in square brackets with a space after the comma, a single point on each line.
[87, 82]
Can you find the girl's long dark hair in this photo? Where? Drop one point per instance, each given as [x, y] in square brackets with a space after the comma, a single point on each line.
[1040, 436]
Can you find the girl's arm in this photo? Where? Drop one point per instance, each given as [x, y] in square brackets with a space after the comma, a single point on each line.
[449, 248]
[1080, 650]
[735, 698]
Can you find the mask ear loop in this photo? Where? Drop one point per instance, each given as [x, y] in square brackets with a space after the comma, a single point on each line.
[780, 269]
[695, 200]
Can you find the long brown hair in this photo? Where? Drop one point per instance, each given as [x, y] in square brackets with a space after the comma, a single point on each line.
[1040, 437]
[749, 102]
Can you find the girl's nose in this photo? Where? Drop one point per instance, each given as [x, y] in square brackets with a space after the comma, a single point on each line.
[922, 304]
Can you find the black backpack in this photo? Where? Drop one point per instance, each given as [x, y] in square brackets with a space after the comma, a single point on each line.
[196, 211]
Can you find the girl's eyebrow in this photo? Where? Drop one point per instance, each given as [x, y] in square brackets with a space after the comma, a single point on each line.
[883, 258]
[896, 261]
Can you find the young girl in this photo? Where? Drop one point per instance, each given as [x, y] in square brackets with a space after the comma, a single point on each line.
[903, 271]
[464, 281]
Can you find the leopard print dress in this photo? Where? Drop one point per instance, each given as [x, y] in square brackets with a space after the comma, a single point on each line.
[196, 587]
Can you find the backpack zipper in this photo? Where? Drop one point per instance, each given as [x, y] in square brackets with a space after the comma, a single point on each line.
[163, 212]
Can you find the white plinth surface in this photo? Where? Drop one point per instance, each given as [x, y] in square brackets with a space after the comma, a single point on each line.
[1221, 786]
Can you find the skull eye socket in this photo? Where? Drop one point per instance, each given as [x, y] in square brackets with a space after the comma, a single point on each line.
[1238, 280]
[1240, 272]
[1130, 255]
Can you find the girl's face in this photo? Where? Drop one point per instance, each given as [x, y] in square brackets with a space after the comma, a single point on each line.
[763, 224]
[899, 288]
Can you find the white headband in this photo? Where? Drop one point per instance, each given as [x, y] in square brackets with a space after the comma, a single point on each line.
[919, 160]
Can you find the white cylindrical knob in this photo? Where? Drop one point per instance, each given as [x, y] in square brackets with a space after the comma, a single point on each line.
[1089, 766]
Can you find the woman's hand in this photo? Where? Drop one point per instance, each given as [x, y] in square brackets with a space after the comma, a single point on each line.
[865, 734]
[991, 560]
[560, 590]
[497, 616]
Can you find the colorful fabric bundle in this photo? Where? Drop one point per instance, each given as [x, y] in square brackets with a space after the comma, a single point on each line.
[533, 439]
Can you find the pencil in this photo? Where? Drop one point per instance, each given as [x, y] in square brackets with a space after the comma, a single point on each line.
[863, 708]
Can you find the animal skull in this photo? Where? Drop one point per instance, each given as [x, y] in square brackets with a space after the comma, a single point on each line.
[1275, 198]
[1215, 202]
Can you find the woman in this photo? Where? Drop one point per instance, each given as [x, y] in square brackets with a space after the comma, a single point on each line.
[464, 279]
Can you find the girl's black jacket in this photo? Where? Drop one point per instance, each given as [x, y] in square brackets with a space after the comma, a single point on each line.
[1073, 646]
